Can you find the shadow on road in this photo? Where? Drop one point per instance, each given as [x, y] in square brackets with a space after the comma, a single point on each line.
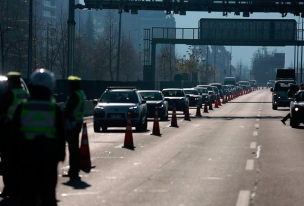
[77, 183]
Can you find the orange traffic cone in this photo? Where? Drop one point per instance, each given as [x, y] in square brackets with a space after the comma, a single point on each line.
[173, 119]
[198, 110]
[219, 102]
[128, 135]
[85, 157]
[223, 101]
[156, 130]
[229, 98]
[187, 116]
[210, 105]
[205, 108]
[216, 104]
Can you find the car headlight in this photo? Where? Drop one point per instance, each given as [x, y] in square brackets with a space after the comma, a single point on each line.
[160, 105]
[296, 109]
[99, 108]
[133, 109]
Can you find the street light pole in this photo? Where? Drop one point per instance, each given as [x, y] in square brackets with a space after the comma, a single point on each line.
[30, 38]
[118, 49]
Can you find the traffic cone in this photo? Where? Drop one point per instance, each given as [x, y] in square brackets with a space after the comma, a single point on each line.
[128, 135]
[210, 105]
[223, 101]
[219, 101]
[85, 157]
[216, 104]
[173, 119]
[156, 130]
[198, 110]
[229, 98]
[187, 116]
[205, 107]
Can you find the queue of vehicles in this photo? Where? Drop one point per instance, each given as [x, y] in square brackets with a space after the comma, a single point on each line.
[115, 103]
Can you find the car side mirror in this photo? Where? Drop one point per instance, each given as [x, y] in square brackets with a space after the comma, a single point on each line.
[166, 98]
[187, 95]
[271, 89]
[143, 101]
[95, 101]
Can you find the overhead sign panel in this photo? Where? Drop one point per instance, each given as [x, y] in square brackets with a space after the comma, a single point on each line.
[248, 30]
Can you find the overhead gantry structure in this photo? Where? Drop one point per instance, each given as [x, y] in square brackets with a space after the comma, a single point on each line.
[236, 7]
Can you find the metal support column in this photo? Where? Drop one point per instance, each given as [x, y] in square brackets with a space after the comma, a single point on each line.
[30, 39]
[118, 49]
[153, 60]
[71, 37]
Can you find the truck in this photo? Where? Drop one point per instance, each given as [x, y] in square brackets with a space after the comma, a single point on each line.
[285, 74]
[230, 80]
[284, 78]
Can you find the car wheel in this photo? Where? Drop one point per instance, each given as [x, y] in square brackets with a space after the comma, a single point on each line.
[293, 123]
[274, 107]
[96, 128]
[104, 128]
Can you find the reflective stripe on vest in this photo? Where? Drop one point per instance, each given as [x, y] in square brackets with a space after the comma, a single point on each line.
[19, 94]
[38, 119]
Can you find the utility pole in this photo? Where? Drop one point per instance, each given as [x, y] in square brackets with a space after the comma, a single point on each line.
[240, 72]
[118, 49]
[214, 62]
[30, 39]
[71, 37]
[230, 59]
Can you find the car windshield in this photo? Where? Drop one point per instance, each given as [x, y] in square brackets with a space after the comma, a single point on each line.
[173, 93]
[192, 91]
[151, 96]
[119, 97]
[202, 90]
[300, 97]
[282, 86]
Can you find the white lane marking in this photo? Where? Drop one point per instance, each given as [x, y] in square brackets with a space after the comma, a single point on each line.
[256, 125]
[257, 120]
[249, 165]
[255, 133]
[243, 198]
[259, 151]
[79, 193]
[253, 145]
[258, 115]
[90, 124]
[119, 146]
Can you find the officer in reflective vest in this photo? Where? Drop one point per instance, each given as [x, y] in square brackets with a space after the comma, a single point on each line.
[8, 104]
[39, 137]
[73, 114]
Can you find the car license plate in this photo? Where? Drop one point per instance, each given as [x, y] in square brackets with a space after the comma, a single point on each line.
[115, 116]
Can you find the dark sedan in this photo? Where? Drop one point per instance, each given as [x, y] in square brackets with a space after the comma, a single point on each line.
[155, 98]
[205, 94]
[194, 97]
[176, 96]
[297, 109]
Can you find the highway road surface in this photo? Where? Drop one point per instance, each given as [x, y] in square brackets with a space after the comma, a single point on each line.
[239, 154]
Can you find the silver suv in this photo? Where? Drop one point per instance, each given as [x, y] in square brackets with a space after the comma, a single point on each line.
[113, 107]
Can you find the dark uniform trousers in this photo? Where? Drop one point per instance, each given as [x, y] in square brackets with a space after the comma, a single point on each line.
[38, 173]
[74, 151]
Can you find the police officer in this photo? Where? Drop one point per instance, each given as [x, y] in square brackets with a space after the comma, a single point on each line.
[291, 94]
[74, 112]
[38, 134]
[8, 104]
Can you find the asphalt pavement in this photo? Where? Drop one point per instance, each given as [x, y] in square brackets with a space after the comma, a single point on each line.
[239, 154]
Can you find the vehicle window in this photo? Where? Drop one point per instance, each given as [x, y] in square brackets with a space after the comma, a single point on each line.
[151, 96]
[173, 93]
[202, 90]
[300, 96]
[191, 91]
[282, 86]
[119, 97]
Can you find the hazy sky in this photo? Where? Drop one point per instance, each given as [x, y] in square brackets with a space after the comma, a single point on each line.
[239, 53]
